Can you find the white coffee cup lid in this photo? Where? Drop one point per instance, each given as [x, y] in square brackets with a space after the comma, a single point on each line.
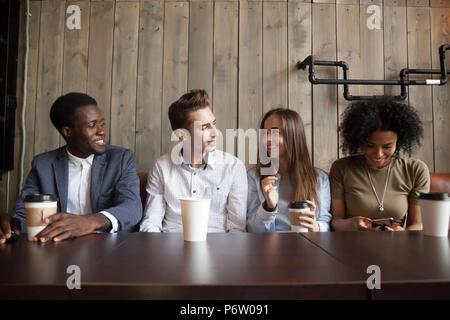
[439, 196]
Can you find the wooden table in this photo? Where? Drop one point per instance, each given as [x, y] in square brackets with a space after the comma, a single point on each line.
[413, 266]
[228, 266]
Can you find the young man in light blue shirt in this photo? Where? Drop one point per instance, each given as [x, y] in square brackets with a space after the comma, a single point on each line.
[196, 170]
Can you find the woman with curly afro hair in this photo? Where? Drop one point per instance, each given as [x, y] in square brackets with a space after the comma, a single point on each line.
[378, 180]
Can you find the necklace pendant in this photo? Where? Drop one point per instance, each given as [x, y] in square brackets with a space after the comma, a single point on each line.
[380, 208]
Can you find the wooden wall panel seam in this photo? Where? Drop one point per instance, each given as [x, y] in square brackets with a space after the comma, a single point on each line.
[47, 138]
[439, 3]
[100, 57]
[299, 47]
[137, 80]
[250, 66]
[176, 52]
[418, 3]
[348, 44]
[61, 139]
[27, 132]
[225, 76]
[162, 77]
[149, 86]
[419, 56]
[33, 146]
[440, 94]
[124, 77]
[324, 96]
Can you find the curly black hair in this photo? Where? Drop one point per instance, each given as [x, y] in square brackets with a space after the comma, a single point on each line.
[362, 118]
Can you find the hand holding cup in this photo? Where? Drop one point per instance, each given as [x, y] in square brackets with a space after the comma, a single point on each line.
[308, 218]
[63, 225]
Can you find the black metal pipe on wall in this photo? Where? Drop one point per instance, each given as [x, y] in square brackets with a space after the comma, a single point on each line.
[403, 82]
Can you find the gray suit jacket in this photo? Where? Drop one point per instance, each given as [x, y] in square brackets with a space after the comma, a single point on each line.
[114, 184]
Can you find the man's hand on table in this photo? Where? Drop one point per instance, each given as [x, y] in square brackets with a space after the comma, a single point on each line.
[8, 225]
[62, 226]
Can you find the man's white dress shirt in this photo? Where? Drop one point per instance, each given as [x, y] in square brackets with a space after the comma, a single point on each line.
[223, 179]
[79, 189]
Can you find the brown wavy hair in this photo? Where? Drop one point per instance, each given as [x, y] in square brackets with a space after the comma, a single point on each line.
[301, 170]
[180, 110]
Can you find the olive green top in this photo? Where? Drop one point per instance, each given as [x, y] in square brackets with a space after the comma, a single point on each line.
[350, 182]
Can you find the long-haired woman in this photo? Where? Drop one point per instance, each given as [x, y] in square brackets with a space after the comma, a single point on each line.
[294, 178]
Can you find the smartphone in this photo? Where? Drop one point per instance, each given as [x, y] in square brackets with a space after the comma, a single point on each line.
[382, 222]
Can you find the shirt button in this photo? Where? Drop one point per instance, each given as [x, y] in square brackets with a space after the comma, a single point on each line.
[194, 191]
[195, 173]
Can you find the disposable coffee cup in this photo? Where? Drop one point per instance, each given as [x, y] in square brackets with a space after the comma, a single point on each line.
[435, 209]
[295, 209]
[195, 216]
[37, 208]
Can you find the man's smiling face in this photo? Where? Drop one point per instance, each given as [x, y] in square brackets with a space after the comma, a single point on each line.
[88, 134]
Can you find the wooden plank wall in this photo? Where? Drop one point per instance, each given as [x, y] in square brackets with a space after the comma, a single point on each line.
[440, 33]
[137, 56]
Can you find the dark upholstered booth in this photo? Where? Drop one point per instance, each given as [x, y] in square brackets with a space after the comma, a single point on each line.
[143, 183]
[440, 182]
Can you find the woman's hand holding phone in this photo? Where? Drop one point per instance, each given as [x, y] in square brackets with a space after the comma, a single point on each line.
[387, 224]
[395, 227]
[361, 223]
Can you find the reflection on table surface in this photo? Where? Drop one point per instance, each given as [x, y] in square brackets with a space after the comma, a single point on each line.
[230, 265]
